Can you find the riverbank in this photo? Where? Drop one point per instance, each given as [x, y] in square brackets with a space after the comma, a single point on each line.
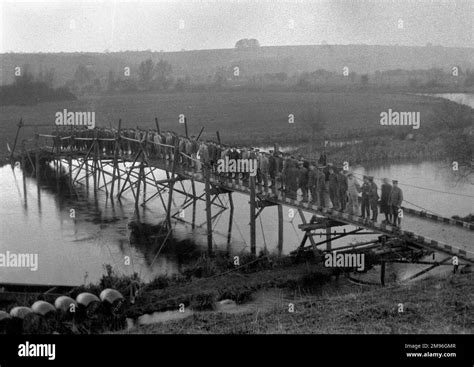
[434, 305]
[270, 295]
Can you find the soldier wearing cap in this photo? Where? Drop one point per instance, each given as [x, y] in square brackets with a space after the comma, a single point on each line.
[342, 189]
[321, 187]
[313, 183]
[292, 178]
[395, 200]
[353, 190]
[365, 198]
[384, 201]
[373, 198]
[264, 168]
[303, 180]
[333, 189]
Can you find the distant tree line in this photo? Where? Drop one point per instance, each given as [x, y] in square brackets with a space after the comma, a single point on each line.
[28, 90]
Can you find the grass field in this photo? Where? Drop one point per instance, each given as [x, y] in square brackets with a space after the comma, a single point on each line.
[242, 117]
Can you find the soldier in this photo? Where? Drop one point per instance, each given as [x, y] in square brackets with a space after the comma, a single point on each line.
[278, 169]
[396, 200]
[313, 183]
[264, 168]
[322, 159]
[291, 178]
[203, 155]
[385, 201]
[271, 167]
[333, 189]
[342, 189]
[157, 140]
[353, 190]
[194, 149]
[373, 198]
[365, 198]
[170, 142]
[188, 150]
[303, 180]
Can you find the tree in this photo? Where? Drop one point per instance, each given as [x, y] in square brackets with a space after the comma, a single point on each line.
[111, 80]
[315, 121]
[145, 73]
[83, 76]
[454, 125]
[163, 71]
[220, 78]
[364, 79]
[469, 81]
[247, 43]
[452, 116]
[48, 77]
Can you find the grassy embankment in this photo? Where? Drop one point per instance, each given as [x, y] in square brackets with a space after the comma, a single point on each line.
[433, 305]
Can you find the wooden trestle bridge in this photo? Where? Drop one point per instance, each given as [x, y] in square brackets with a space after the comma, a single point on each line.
[111, 174]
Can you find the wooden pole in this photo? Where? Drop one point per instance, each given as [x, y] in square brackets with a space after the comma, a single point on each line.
[218, 137]
[207, 188]
[96, 154]
[280, 229]
[23, 171]
[199, 135]
[137, 196]
[171, 184]
[115, 172]
[20, 124]
[143, 168]
[86, 163]
[37, 159]
[231, 219]
[193, 187]
[253, 247]
[71, 142]
[328, 238]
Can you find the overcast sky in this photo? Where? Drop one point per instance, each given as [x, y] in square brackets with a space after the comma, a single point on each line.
[70, 26]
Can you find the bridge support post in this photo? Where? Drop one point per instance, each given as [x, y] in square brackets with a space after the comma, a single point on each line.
[253, 247]
[20, 124]
[171, 185]
[231, 218]
[193, 187]
[328, 238]
[95, 158]
[280, 229]
[71, 142]
[37, 159]
[207, 188]
[115, 171]
[139, 180]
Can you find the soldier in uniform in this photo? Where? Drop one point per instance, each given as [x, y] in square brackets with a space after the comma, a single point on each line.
[333, 189]
[365, 198]
[396, 200]
[373, 198]
[385, 208]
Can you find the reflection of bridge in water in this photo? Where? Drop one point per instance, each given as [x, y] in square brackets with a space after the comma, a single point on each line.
[116, 171]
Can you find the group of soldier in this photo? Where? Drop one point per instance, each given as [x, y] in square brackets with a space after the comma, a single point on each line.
[318, 182]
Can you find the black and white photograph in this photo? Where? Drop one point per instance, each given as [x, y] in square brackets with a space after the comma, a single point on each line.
[237, 167]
